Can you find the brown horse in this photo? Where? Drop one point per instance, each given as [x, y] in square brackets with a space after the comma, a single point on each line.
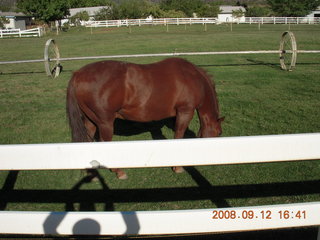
[101, 92]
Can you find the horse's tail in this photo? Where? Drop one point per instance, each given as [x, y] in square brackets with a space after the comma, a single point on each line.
[75, 115]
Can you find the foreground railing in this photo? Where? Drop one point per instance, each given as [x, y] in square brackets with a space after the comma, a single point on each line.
[161, 153]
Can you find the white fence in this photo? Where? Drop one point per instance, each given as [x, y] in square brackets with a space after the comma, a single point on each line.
[156, 21]
[136, 154]
[283, 20]
[190, 21]
[34, 32]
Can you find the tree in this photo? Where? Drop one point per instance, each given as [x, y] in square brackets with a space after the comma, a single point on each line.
[187, 6]
[257, 11]
[107, 13]
[45, 10]
[134, 9]
[3, 21]
[209, 10]
[237, 14]
[172, 14]
[293, 8]
[89, 3]
[78, 17]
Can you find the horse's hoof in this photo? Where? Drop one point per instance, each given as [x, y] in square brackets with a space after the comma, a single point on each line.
[122, 176]
[178, 169]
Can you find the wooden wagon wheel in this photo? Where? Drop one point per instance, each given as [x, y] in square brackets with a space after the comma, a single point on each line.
[288, 51]
[52, 59]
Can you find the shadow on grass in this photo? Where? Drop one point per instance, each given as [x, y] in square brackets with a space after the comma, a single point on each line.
[204, 191]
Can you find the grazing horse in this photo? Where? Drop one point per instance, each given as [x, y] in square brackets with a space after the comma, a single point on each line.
[100, 92]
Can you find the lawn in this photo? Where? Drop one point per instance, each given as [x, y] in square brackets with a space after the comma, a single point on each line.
[255, 96]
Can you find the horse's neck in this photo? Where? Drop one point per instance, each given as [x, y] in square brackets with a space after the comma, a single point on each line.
[214, 101]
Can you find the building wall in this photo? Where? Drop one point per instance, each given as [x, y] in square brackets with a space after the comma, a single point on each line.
[15, 23]
[315, 13]
[227, 17]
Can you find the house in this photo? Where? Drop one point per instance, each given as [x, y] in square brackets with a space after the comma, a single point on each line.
[315, 13]
[16, 20]
[90, 10]
[226, 14]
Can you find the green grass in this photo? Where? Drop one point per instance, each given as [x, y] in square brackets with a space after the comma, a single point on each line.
[255, 96]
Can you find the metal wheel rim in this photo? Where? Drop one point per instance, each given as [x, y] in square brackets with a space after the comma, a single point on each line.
[52, 59]
[288, 51]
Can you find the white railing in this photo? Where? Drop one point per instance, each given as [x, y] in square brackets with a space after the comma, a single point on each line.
[282, 20]
[156, 21]
[34, 32]
[180, 21]
[160, 153]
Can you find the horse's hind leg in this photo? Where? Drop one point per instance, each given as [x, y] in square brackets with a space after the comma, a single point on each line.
[182, 122]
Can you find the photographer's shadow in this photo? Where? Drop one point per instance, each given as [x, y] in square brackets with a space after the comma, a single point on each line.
[87, 225]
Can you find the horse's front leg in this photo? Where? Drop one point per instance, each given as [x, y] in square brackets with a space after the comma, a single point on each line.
[106, 132]
[182, 122]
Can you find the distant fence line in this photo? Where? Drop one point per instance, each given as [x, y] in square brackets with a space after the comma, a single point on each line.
[178, 21]
[282, 20]
[34, 32]
[156, 21]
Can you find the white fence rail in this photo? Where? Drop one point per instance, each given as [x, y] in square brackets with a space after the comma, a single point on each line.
[187, 152]
[190, 21]
[34, 32]
[161, 153]
[283, 20]
[161, 222]
[156, 21]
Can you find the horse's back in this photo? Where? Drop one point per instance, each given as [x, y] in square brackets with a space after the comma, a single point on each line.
[140, 92]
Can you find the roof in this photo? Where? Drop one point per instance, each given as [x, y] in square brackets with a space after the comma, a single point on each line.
[12, 14]
[229, 9]
[90, 10]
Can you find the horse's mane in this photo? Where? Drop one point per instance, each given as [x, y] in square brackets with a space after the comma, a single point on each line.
[209, 78]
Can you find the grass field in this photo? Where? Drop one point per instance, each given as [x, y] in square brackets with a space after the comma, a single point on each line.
[255, 96]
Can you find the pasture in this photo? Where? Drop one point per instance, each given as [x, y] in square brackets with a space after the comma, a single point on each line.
[255, 96]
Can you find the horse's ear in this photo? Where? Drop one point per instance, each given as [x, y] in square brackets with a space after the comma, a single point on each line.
[220, 120]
